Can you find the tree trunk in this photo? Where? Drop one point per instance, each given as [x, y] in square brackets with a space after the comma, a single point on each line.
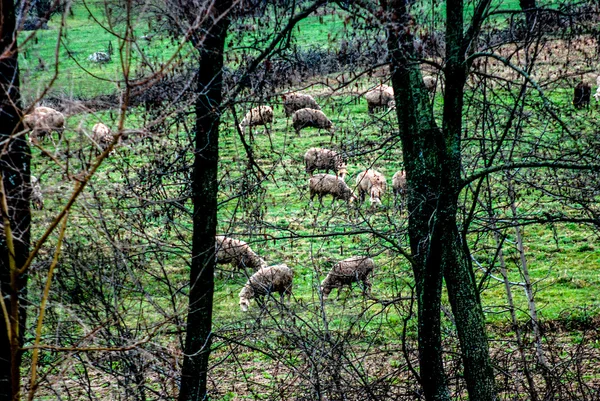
[204, 187]
[433, 171]
[420, 138]
[15, 169]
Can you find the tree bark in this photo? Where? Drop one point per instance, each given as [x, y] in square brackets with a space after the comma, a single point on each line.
[15, 169]
[433, 170]
[204, 187]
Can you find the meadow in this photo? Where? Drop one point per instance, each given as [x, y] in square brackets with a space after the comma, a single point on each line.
[132, 226]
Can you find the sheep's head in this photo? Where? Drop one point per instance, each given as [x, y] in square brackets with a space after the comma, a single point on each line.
[325, 291]
[244, 303]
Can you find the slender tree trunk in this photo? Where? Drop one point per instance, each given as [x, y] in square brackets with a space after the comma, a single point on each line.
[529, 7]
[15, 169]
[204, 186]
[420, 138]
[458, 272]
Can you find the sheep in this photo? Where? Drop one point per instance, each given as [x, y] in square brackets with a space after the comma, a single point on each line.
[379, 97]
[346, 272]
[311, 118]
[373, 183]
[42, 121]
[296, 101]
[99, 57]
[430, 83]
[327, 184]
[597, 94]
[101, 135]
[399, 186]
[261, 115]
[238, 253]
[581, 95]
[324, 159]
[37, 198]
[267, 280]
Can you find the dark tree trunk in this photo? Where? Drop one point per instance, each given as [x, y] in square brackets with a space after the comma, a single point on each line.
[204, 187]
[14, 166]
[460, 280]
[433, 169]
[421, 140]
[529, 8]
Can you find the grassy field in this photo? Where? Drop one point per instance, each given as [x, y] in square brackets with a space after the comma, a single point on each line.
[126, 207]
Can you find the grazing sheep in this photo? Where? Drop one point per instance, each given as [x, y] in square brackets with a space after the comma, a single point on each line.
[42, 121]
[99, 57]
[581, 96]
[346, 272]
[101, 135]
[399, 186]
[597, 94]
[311, 118]
[261, 115]
[430, 83]
[373, 183]
[379, 97]
[296, 101]
[37, 198]
[277, 278]
[324, 159]
[327, 184]
[238, 253]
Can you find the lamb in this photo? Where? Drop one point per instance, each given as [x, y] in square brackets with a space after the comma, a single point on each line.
[346, 272]
[261, 115]
[379, 97]
[373, 183]
[42, 121]
[324, 159]
[101, 135]
[277, 278]
[327, 184]
[399, 186]
[430, 83]
[311, 118]
[581, 96]
[37, 198]
[296, 101]
[238, 253]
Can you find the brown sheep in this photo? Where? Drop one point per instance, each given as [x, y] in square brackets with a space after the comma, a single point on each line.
[327, 184]
[581, 96]
[379, 97]
[296, 101]
[37, 198]
[101, 135]
[42, 121]
[324, 159]
[371, 182]
[268, 280]
[399, 185]
[238, 253]
[346, 272]
[304, 118]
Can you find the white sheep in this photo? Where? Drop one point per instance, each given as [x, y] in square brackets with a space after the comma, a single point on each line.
[102, 135]
[371, 182]
[268, 280]
[261, 115]
[304, 118]
[597, 94]
[324, 159]
[296, 101]
[346, 272]
[327, 184]
[42, 121]
[430, 82]
[238, 253]
[379, 97]
[399, 185]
